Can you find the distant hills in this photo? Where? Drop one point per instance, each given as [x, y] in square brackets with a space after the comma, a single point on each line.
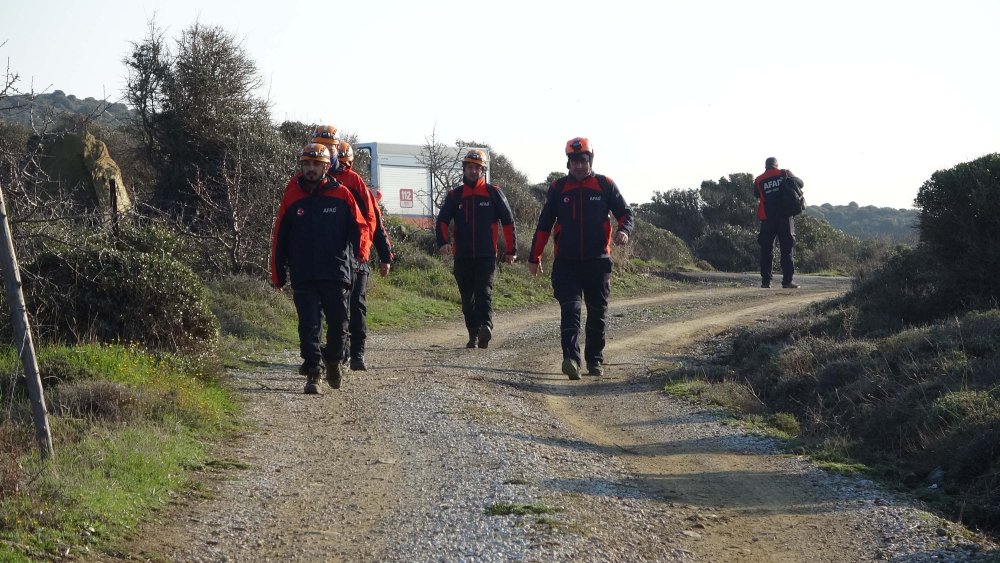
[870, 222]
[19, 109]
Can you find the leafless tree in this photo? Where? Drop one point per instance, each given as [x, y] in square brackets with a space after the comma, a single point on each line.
[235, 217]
[444, 164]
[220, 160]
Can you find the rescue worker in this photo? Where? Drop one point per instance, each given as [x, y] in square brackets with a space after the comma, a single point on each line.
[476, 207]
[316, 231]
[375, 234]
[775, 223]
[575, 215]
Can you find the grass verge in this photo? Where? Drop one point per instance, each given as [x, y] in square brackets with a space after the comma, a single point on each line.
[127, 427]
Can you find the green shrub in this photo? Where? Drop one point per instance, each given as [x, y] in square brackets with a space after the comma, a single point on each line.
[959, 218]
[159, 238]
[908, 290]
[730, 249]
[110, 295]
[250, 309]
[653, 243]
[94, 400]
[785, 422]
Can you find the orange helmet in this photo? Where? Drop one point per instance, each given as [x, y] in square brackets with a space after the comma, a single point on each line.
[325, 135]
[345, 153]
[579, 145]
[476, 156]
[315, 151]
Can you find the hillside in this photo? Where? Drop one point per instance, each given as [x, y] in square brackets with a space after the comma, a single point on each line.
[869, 222]
[19, 109]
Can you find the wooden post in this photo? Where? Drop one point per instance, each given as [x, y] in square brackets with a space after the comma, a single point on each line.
[22, 334]
[114, 207]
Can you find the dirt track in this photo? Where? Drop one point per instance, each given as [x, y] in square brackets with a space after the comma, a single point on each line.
[403, 462]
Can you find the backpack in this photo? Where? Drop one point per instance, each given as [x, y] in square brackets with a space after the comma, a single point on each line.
[793, 202]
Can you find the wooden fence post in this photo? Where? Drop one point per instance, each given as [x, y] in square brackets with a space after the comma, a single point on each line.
[22, 334]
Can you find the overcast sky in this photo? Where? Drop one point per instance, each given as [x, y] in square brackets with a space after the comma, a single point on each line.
[861, 99]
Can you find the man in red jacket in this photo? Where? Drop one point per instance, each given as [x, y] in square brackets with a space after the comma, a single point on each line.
[476, 207]
[575, 214]
[375, 235]
[775, 223]
[316, 232]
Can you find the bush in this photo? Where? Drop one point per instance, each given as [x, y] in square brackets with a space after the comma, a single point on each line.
[730, 249]
[110, 295]
[250, 309]
[959, 219]
[908, 290]
[660, 245]
[93, 399]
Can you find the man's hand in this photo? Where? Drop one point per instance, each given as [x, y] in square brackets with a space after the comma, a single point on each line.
[383, 269]
[534, 269]
[510, 258]
[621, 237]
[445, 249]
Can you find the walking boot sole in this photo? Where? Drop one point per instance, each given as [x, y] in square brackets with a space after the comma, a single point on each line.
[571, 368]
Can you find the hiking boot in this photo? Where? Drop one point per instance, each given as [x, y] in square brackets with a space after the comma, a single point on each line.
[790, 285]
[595, 368]
[765, 284]
[312, 386]
[571, 368]
[334, 373]
[358, 364]
[310, 370]
[472, 340]
[485, 334]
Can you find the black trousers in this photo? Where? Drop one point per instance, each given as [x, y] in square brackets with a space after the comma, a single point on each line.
[783, 229]
[475, 284]
[312, 301]
[358, 325]
[590, 279]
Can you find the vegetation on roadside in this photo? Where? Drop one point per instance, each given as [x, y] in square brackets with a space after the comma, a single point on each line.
[128, 427]
[900, 376]
[519, 509]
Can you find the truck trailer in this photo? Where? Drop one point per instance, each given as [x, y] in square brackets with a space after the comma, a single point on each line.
[405, 184]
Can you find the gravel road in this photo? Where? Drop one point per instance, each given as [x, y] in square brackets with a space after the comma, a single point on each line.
[440, 453]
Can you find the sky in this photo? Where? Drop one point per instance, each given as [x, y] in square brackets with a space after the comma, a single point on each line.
[863, 100]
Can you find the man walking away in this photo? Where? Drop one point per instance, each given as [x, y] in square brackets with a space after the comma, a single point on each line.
[775, 223]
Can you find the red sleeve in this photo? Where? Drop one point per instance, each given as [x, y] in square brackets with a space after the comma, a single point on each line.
[508, 239]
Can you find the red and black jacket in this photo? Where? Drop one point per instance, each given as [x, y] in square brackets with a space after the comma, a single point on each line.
[767, 187]
[575, 213]
[476, 209]
[374, 232]
[315, 234]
